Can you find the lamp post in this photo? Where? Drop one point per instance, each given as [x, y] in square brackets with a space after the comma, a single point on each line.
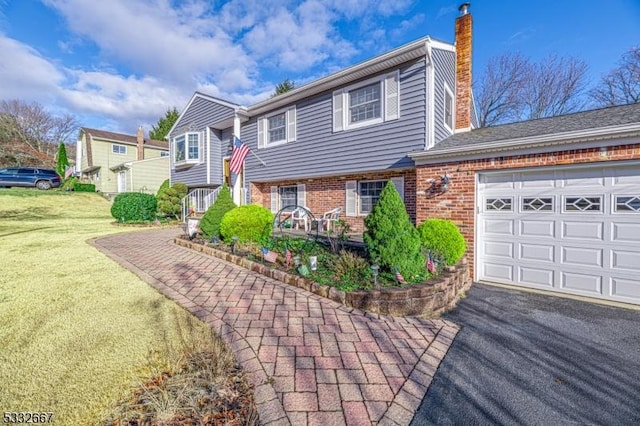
[374, 271]
[234, 241]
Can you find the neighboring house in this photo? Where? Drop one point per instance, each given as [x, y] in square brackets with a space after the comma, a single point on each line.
[551, 204]
[117, 163]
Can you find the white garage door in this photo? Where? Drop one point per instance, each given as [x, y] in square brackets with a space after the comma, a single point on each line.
[571, 231]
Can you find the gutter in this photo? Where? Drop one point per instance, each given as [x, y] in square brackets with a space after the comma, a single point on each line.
[529, 142]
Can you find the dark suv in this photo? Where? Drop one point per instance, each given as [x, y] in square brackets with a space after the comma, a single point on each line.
[29, 176]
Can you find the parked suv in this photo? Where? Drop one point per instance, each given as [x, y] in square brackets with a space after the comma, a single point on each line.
[29, 176]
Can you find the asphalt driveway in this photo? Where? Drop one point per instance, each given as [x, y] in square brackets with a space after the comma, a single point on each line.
[524, 358]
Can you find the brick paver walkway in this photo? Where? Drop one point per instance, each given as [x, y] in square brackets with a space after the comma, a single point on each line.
[312, 361]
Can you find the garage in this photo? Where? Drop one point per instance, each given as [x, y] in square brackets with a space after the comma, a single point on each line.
[572, 230]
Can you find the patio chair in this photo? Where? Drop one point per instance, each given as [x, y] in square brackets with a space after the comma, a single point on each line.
[299, 217]
[329, 219]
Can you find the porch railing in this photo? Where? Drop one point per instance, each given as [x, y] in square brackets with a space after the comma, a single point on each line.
[198, 201]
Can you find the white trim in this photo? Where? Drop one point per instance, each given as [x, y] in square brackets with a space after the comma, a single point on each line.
[601, 137]
[447, 90]
[114, 145]
[196, 95]
[289, 128]
[207, 150]
[430, 135]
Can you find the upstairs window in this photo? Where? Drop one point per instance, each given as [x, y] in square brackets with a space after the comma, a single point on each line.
[118, 149]
[277, 128]
[366, 103]
[448, 107]
[187, 148]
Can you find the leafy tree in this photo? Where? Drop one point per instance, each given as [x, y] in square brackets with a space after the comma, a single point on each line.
[62, 161]
[513, 88]
[283, 87]
[161, 130]
[621, 85]
[210, 222]
[391, 238]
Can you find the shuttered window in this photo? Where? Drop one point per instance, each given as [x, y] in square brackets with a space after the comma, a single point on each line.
[370, 102]
[277, 128]
[288, 195]
[361, 196]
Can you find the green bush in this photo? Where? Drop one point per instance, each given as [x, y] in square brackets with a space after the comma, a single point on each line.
[444, 239]
[170, 200]
[84, 187]
[69, 183]
[134, 207]
[249, 223]
[391, 238]
[210, 222]
[165, 185]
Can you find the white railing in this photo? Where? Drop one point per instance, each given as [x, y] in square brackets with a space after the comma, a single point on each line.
[198, 201]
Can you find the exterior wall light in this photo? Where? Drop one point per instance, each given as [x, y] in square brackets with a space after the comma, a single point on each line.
[439, 185]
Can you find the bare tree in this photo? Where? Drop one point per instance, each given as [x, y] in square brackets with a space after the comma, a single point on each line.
[621, 85]
[498, 94]
[513, 88]
[32, 127]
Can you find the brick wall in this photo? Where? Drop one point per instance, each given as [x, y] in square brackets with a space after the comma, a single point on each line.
[463, 38]
[326, 193]
[458, 203]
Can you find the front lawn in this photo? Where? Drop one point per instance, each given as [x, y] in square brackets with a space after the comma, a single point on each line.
[77, 331]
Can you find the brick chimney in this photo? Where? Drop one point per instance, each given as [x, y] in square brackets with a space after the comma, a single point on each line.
[464, 26]
[140, 139]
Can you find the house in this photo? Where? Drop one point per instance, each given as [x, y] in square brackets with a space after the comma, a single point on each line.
[333, 142]
[550, 204]
[116, 163]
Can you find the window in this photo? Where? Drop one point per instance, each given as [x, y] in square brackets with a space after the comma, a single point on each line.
[448, 107]
[583, 204]
[498, 204]
[277, 128]
[627, 204]
[164, 154]
[370, 102]
[186, 148]
[369, 193]
[365, 103]
[288, 196]
[118, 149]
[537, 204]
[361, 196]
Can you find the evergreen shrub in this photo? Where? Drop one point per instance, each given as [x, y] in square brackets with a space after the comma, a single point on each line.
[249, 223]
[165, 185]
[391, 238]
[210, 222]
[443, 238]
[84, 187]
[134, 207]
[170, 201]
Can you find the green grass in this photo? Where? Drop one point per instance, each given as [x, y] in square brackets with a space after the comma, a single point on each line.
[77, 331]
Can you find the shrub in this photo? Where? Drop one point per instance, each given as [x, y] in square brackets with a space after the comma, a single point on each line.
[391, 238]
[444, 239]
[69, 183]
[170, 201]
[165, 185]
[349, 270]
[84, 187]
[249, 223]
[210, 222]
[134, 207]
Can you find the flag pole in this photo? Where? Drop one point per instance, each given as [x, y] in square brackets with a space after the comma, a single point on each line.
[251, 151]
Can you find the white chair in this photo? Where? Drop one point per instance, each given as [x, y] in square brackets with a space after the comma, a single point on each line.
[299, 217]
[329, 219]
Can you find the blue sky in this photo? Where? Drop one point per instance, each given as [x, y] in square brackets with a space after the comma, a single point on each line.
[118, 64]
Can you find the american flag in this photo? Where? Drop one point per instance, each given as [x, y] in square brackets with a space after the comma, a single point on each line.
[399, 276]
[431, 266]
[238, 155]
[287, 256]
[69, 172]
[268, 255]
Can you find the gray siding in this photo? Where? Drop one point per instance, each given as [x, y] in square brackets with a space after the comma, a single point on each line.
[318, 151]
[200, 114]
[215, 156]
[445, 69]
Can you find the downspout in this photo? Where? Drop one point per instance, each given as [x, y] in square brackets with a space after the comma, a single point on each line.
[239, 183]
[430, 98]
[208, 153]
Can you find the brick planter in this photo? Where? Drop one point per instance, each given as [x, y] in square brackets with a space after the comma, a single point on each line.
[434, 297]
